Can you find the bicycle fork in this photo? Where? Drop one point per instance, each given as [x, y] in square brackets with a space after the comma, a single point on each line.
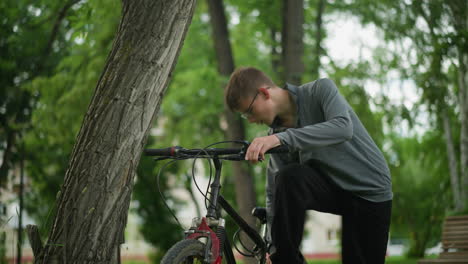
[216, 242]
[201, 227]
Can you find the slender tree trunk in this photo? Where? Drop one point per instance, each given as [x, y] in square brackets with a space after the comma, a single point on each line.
[463, 101]
[318, 38]
[8, 152]
[244, 184]
[61, 15]
[459, 16]
[463, 98]
[292, 39]
[21, 208]
[453, 164]
[92, 206]
[284, 43]
[220, 36]
[275, 50]
[464, 88]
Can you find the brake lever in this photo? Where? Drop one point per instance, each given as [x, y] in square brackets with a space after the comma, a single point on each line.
[245, 146]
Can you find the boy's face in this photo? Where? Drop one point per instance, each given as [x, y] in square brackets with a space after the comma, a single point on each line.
[257, 109]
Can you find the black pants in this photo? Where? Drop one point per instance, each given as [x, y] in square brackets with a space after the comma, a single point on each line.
[365, 224]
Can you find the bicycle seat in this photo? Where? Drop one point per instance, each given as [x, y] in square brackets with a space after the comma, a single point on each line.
[260, 213]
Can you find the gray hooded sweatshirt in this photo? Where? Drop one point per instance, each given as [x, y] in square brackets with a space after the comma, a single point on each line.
[330, 134]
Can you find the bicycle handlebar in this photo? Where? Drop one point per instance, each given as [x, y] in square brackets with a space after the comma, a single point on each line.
[180, 152]
[161, 152]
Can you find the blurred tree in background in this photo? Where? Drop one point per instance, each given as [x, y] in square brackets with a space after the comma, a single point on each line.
[33, 42]
[432, 36]
[421, 190]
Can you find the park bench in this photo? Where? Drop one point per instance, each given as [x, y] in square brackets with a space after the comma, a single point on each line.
[454, 241]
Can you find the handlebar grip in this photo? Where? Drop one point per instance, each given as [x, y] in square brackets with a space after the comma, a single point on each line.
[168, 152]
[279, 149]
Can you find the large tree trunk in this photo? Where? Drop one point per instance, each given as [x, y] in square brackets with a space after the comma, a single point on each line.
[93, 203]
[244, 184]
[293, 45]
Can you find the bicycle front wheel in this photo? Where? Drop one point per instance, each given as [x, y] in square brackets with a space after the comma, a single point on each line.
[189, 251]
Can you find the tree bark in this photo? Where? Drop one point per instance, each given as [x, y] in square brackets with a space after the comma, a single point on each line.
[93, 203]
[293, 45]
[244, 184]
[220, 36]
[452, 159]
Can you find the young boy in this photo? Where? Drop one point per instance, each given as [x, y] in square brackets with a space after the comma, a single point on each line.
[334, 165]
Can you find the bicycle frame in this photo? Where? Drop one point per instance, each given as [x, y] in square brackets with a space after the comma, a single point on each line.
[218, 241]
[215, 243]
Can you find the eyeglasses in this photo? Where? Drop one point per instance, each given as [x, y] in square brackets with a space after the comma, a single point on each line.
[248, 113]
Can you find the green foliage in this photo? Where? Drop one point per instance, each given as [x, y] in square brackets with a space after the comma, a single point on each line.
[257, 20]
[351, 81]
[21, 25]
[63, 99]
[426, 37]
[422, 40]
[421, 190]
[195, 88]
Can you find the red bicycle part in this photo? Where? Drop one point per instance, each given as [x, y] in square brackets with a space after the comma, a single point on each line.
[203, 230]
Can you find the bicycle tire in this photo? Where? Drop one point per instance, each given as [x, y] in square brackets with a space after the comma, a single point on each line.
[185, 252]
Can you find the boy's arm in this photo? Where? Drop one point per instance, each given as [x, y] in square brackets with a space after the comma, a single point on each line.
[337, 127]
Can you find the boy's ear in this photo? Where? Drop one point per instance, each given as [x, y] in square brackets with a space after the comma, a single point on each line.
[265, 92]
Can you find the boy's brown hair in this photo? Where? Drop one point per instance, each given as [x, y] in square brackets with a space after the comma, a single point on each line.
[244, 82]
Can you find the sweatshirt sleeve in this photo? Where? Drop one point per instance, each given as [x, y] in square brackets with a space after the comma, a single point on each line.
[336, 128]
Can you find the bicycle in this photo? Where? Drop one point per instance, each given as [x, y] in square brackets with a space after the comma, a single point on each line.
[206, 241]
